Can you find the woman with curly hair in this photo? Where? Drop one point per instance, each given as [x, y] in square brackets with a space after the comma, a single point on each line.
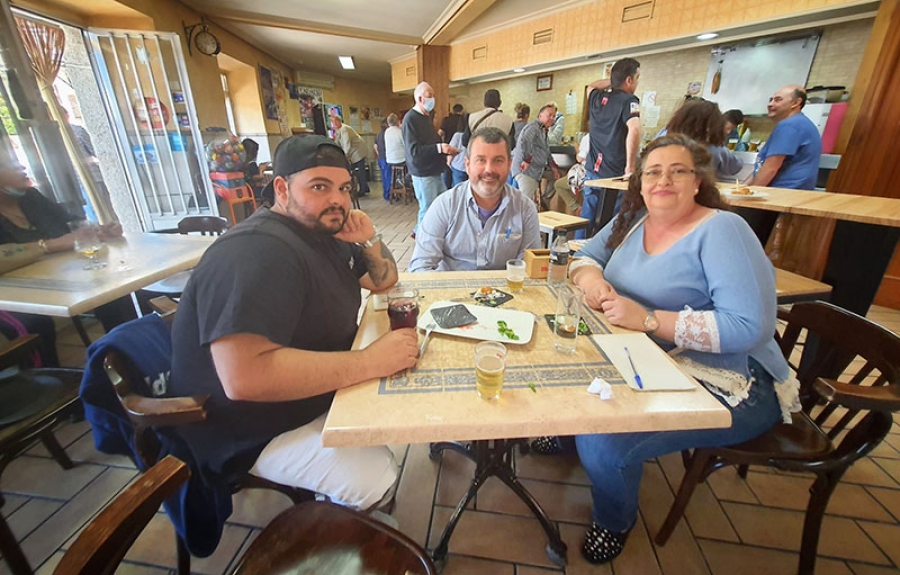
[702, 121]
[677, 265]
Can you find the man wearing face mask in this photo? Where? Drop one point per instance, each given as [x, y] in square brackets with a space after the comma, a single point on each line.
[426, 154]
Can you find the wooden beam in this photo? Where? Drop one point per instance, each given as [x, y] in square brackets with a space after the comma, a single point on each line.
[274, 21]
[455, 25]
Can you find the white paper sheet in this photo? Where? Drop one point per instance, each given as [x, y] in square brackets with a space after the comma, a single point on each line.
[657, 370]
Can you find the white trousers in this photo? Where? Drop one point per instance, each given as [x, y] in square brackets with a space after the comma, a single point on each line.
[357, 477]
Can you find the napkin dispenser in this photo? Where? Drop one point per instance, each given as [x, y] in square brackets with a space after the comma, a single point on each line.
[537, 262]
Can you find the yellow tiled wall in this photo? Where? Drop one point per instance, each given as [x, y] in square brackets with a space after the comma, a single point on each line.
[837, 58]
[596, 27]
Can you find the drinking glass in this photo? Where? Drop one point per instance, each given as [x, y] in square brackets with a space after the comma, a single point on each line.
[403, 307]
[568, 314]
[515, 275]
[87, 243]
[732, 143]
[490, 365]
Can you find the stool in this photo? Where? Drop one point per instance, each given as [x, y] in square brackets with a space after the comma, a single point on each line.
[399, 193]
[232, 196]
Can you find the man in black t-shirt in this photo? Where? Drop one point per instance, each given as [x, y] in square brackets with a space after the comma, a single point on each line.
[615, 129]
[265, 326]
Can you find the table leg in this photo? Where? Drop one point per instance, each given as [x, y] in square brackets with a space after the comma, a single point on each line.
[857, 259]
[494, 458]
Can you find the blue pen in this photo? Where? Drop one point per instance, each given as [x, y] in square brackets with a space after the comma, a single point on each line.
[508, 231]
[637, 378]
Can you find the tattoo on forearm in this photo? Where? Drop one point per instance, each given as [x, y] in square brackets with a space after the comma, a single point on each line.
[381, 266]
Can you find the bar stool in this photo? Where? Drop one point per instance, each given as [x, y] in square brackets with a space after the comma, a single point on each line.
[399, 193]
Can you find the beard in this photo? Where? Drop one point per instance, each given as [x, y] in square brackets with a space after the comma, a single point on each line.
[488, 184]
[329, 221]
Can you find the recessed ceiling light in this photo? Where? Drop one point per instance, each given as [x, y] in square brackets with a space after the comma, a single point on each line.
[518, 70]
[347, 62]
[707, 36]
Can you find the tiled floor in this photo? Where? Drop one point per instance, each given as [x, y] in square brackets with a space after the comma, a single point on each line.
[733, 526]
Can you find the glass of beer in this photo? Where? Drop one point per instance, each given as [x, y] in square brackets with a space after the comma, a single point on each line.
[87, 243]
[490, 364]
[732, 144]
[515, 275]
[403, 307]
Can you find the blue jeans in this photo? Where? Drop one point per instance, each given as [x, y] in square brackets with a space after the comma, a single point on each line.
[614, 462]
[427, 188]
[591, 205]
[459, 176]
[385, 176]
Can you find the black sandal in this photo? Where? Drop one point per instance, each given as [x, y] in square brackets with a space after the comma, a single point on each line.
[602, 545]
[553, 445]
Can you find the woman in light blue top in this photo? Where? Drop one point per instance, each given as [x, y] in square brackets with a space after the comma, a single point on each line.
[676, 265]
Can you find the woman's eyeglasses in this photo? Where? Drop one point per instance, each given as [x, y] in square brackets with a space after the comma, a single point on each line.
[675, 175]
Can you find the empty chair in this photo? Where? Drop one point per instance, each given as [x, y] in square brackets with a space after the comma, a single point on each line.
[318, 534]
[32, 403]
[235, 196]
[842, 421]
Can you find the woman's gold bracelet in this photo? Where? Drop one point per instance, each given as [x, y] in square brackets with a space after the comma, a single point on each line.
[43, 245]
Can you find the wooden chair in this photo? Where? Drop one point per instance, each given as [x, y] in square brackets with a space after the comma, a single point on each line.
[841, 422]
[29, 415]
[296, 535]
[150, 414]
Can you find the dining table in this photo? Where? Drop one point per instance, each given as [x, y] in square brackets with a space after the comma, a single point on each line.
[544, 391]
[866, 232]
[59, 285]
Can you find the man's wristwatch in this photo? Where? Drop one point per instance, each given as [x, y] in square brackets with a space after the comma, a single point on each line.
[369, 243]
[651, 324]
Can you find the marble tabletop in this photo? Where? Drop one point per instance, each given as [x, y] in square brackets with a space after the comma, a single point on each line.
[436, 400]
[848, 207]
[57, 285]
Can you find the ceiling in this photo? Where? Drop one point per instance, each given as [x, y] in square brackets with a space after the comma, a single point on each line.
[373, 32]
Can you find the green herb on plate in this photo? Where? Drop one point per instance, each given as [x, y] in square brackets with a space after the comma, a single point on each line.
[506, 331]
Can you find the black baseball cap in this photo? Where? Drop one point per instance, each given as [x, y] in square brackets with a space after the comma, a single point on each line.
[299, 153]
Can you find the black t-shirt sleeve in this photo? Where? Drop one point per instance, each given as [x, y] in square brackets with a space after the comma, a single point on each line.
[631, 108]
[258, 290]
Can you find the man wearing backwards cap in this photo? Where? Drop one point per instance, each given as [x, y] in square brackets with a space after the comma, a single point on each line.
[265, 326]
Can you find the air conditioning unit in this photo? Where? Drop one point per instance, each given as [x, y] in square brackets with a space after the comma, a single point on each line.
[314, 80]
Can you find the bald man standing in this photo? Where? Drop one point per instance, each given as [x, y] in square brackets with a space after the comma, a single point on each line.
[426, 153]
[790, 158]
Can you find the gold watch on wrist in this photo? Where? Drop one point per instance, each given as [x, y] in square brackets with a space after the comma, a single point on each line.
[651, 324]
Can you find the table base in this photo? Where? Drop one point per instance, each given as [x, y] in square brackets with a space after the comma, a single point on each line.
[494, 458]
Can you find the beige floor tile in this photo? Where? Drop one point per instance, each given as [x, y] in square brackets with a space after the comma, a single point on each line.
[43, 477]
[891, 466]
[886, 450]
[415, 493]
[12, 502]
[124, 569]
[731, 559]
[781, 529]
[793, 493]
[867, 472]
[638, 556]
[29, 516]
[493, 536]
[459, 565]
[727, 485]
[561, 502]
[863, 569]
[83, 450]
[66, 434]
[257, 507]
[456, 472]
[561, 469]
[680, 553]
[890, 498]
[887, 537]
[52, 533]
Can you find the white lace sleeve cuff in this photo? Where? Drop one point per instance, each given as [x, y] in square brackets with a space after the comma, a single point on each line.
[584, 262]
[697, 330]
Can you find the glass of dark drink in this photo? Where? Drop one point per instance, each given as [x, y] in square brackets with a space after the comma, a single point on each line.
[403, 307]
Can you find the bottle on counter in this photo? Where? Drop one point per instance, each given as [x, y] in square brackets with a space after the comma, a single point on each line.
[557, 272]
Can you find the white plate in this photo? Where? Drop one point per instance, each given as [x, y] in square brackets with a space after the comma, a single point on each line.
[485, 329]
[753, 195]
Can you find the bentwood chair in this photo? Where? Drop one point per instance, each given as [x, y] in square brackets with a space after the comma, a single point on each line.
[309, 538]
[841, 422]
[32, 403]
[151, 416]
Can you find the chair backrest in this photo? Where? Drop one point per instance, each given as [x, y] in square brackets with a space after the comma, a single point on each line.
[317, 537]
[839, 345]
[102, 545]
[205, 225]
